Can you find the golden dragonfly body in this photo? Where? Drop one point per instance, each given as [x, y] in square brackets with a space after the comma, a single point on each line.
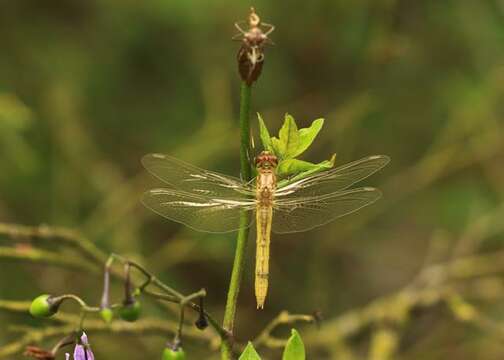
[212, 202]
[266, 183]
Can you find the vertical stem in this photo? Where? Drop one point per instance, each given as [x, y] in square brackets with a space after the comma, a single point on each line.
[245, 95]
[241, 240]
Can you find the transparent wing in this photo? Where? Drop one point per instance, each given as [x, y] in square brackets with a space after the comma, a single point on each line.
[198, 212]
[186, 177]
[333, 180]
[307, 213]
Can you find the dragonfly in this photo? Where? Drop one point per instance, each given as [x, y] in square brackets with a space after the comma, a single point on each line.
[212, 202]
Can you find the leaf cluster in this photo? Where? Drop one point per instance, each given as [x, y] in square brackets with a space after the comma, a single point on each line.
[290, 143]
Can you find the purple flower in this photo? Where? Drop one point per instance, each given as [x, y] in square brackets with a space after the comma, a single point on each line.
[82, 350]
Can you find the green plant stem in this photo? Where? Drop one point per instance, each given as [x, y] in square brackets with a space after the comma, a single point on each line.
[241, 240]
[245, 96]
[84, 307]
[172, 296]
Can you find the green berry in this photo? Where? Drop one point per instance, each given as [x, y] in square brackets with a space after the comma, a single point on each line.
[107, 314]
[131, 311]
[170, 354]
[42, 306]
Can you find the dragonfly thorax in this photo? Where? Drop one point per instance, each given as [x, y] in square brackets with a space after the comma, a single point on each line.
[265, 186]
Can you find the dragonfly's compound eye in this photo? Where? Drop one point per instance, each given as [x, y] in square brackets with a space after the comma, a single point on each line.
[266, 160]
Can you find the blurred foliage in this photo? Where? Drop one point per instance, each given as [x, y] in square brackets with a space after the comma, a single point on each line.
[88, 87]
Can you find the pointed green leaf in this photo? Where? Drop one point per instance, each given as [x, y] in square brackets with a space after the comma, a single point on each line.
[264, 134]
[294, 166]
[301, 169]
[249, 353]
[286, 145]
[294, 350]
[307, 135]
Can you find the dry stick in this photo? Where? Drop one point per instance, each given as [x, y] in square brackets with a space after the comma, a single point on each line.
[63, 235]
[45, 257]
[434, 285]
[284, 318]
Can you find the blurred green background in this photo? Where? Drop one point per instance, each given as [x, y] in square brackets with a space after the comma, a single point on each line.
[88, 87]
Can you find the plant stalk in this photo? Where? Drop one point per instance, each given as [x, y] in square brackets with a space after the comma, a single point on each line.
[241, 240]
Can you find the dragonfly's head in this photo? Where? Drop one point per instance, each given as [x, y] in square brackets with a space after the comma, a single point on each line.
[266, 160]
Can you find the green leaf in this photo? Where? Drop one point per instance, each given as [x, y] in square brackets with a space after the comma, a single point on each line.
[301, 169]
[249, 353]
[264, 134]
[294, 350]
[286, 145]
[307, 135]
[291, 142]
[295, 166]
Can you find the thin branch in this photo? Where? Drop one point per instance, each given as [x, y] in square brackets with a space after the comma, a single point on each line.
[35, 255]
[148, 326]
[172, 295]
[434, 285]
[214, 323]
[61, 235]
[89, 250]
[265, 337]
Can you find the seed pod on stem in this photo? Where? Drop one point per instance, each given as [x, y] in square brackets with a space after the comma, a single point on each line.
[251, 54]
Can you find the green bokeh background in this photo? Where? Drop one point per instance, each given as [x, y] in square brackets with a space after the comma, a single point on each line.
[88, 87]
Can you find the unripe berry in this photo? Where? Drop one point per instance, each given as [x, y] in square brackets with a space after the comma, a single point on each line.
[170, 354]
[43, 306]
[107, 314]
[130, 311]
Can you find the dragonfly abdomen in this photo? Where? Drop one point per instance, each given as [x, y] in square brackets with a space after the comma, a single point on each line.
[265, 186]
[264, 216]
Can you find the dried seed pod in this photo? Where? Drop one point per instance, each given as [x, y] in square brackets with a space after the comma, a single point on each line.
[251, 54]
[249, 70]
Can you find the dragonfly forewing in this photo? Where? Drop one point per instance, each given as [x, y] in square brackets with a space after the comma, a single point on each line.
[215, 215]
[186, 177]
[330, 181]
